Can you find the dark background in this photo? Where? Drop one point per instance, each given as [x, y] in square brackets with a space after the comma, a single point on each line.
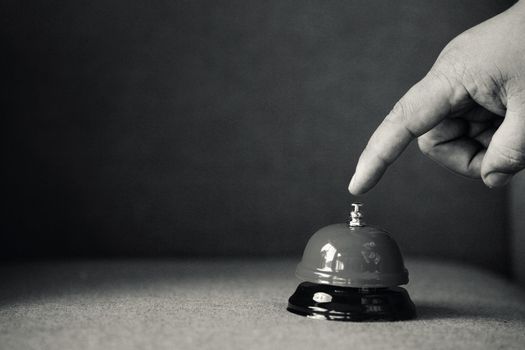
[209, 128]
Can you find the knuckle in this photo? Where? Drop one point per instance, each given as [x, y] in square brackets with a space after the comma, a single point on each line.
[455, 63]
[444, 76]
[399, 112]
[483, 79]
[457, 50]
[399, 117]
[454, 78]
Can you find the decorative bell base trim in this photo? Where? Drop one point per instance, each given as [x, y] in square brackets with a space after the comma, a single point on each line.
[328, 302]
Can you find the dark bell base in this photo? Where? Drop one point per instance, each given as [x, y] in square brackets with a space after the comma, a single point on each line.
[351, 304]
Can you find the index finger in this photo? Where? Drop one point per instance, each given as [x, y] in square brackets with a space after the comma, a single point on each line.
[426, 104]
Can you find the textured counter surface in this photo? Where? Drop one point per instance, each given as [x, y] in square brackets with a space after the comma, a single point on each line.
[174, 304]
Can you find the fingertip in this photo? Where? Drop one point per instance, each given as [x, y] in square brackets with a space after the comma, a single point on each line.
[357, 192]
[496, 179]
[351, 185]
[356, 187]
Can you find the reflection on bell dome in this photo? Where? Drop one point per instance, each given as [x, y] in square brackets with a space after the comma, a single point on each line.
[330, 258]
[362, 256]
[371, 257]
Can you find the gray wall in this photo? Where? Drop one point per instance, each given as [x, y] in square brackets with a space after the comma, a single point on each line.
[517, 212]
[223, 128]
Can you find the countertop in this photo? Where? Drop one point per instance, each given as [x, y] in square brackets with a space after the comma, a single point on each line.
[239, 304]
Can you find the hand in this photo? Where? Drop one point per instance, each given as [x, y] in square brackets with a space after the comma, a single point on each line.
[468, 112]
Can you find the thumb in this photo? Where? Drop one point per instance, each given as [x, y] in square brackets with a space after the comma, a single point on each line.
[505, 155]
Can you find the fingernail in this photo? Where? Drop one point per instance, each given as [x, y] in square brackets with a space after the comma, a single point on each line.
[497, 179]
